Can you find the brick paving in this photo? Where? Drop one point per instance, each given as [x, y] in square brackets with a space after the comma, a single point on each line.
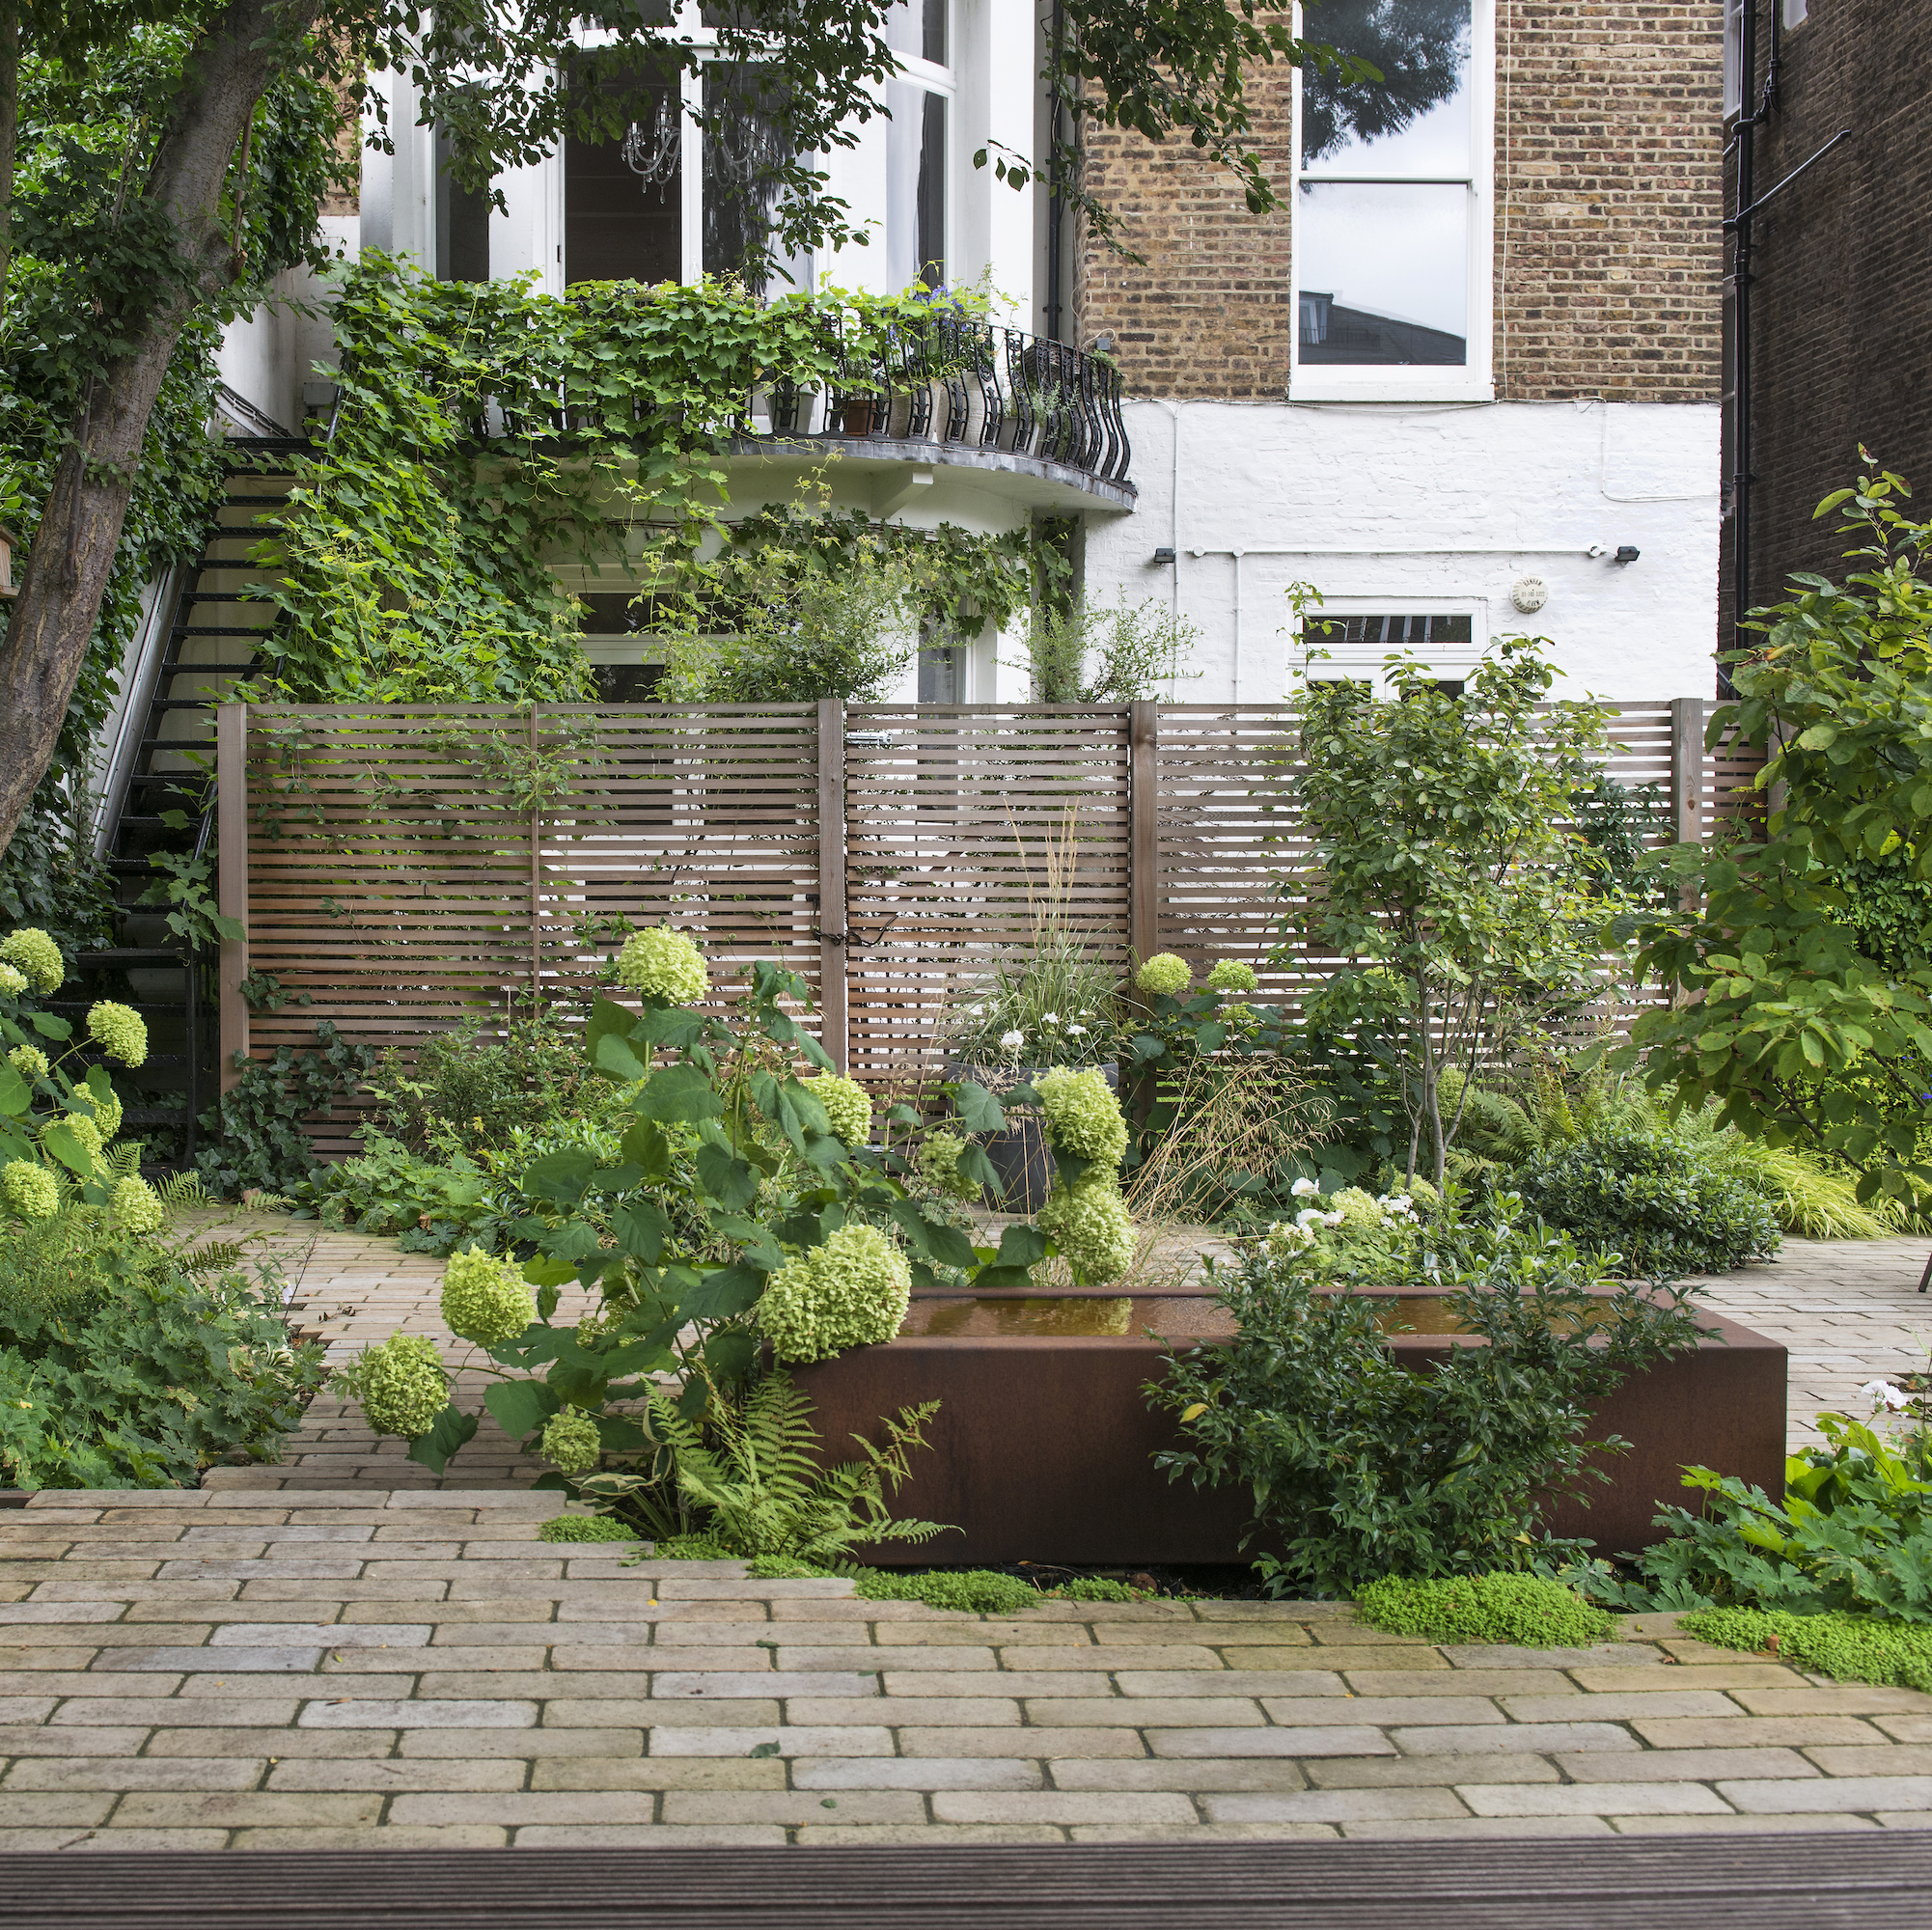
[359, 1668]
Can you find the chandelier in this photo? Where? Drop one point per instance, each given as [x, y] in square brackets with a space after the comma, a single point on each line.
[650, 150]
[746, 151]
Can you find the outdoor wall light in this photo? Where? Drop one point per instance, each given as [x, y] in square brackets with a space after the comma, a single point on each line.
[1163, 555]
[1626, 553]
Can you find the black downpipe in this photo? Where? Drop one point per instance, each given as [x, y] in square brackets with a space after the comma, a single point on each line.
[1055, 206]
[1750, 112]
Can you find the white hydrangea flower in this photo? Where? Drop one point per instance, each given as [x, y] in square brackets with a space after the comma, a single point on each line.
[1011, 1041]
[1078, 1030]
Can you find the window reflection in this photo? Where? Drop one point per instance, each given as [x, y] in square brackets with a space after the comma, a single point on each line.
[915, 186]
[1381, 219]
[742, 159]
[1384, 274]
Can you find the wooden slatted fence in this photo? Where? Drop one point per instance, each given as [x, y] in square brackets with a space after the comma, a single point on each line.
[403, 867]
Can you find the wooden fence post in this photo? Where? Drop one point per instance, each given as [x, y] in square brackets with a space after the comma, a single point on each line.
[1144, 911]
[835, 1024]
[231, 777]
[1687, 768]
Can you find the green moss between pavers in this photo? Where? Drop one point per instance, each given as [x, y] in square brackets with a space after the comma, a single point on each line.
[1848, 1648]
[1524, 1610]
[586, 1528]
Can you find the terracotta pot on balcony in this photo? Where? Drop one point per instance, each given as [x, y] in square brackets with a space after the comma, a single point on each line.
[857, 416]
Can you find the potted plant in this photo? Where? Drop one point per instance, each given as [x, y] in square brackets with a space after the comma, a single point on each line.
[1055, 1005]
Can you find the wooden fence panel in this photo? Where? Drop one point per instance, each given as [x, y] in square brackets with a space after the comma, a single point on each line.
[410, 866]
[967, 825]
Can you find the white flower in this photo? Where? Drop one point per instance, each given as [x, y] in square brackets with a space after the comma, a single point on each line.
[1333, 1219]
[1305, 1189]
[1011, 1041]
[1049, 1018]
[1307, 1220]
[1881, 1393]
[1078, 1030]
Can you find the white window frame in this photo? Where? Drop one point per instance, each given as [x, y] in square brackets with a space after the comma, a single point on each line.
[1474, 381]
[1365, 663]
[1733, 57]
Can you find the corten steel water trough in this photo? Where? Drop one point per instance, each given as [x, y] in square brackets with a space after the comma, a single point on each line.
[1043, 1444]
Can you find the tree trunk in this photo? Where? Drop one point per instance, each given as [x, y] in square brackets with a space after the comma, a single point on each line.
[79, 531]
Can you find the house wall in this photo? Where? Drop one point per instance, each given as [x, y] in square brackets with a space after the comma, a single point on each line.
[1410, 508]
[1841, 295]
[1596, 422]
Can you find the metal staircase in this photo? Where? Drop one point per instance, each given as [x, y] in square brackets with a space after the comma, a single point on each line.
[163, 802]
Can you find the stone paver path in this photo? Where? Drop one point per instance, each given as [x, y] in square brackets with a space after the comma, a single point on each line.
[349, 1290]
[1849, 1311]
[200, 1670]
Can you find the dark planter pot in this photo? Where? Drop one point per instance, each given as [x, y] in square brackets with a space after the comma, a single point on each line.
[1020, 1155]
[1043, 1444]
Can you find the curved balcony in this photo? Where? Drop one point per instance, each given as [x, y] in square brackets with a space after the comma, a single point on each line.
[957, 391]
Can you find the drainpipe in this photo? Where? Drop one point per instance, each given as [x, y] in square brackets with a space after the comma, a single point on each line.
[1237, 555]
[1054, 204]
[1748, 115]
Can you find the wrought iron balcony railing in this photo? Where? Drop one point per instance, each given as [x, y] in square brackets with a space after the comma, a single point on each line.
[973, 385]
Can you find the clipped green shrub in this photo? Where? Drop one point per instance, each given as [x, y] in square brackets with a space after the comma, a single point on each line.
[586, 1528]
[1530, 1610]
[1848, 1648]
[1650, 1198]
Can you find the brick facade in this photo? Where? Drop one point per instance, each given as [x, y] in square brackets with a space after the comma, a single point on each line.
[1841, 298]
[1609, 191]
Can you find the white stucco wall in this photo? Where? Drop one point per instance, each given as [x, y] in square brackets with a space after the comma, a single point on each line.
[267, 356]
[1413, 507]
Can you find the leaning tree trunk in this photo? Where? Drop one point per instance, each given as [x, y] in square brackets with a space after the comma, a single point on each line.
[79, 531]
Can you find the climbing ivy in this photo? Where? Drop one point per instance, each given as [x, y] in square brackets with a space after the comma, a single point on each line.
[486, 431]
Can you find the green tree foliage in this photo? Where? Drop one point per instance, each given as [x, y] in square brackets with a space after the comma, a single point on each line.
[1101, 654]
[1804, 1034]
[216, 190]
[1445, 869]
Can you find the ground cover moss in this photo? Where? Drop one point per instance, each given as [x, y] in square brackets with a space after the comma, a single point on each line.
[1848, 1648]
[586, 1528]
[1526, 1609]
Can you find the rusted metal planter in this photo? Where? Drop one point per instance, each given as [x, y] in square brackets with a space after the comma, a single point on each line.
[1043, 1443]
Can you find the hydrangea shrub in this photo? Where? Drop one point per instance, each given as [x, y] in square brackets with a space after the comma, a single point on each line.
[665, 965]
[853, 1291]
[485, 1299]
[847, 1104]
[1165, 975]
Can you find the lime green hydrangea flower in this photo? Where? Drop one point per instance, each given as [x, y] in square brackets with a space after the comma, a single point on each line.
[847, 1104]
[663, 964]
[852, 1291]
[81, 1128]
[484, 1299]
[1358, 1209]
[1231, 974]
[29, 1062]
[12, 981]
[570, 1440]
[400, 1385]
[1082, 1116]
[105, 1113]
[30, 1191]
[1164, 973]
[938, 1164]
[119, 1030]
[30, 951]
[1090, 1226]
[137, 1206]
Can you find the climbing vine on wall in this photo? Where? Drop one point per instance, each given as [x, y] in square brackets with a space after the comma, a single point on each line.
[486, 431]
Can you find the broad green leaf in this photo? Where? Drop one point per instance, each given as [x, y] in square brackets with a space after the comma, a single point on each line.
[719, 1295]
[68, 1151]
[450, 1430]
[613, 1055]
[1022, 1246]
[645, 1146]
[564, 1177]
[973, 1164]
[640, 1229]
[729, 1181]
[17, 1096]
[730, 1354]
[1001, 1279]
[521, 1407]
[679, 1093]
[978, 1112]
[48, 1026]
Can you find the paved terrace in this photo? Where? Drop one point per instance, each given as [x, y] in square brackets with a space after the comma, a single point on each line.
[360, 1669]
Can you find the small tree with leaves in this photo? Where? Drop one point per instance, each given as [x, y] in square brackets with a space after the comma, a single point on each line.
[1809, 1024]
[1444, 870]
